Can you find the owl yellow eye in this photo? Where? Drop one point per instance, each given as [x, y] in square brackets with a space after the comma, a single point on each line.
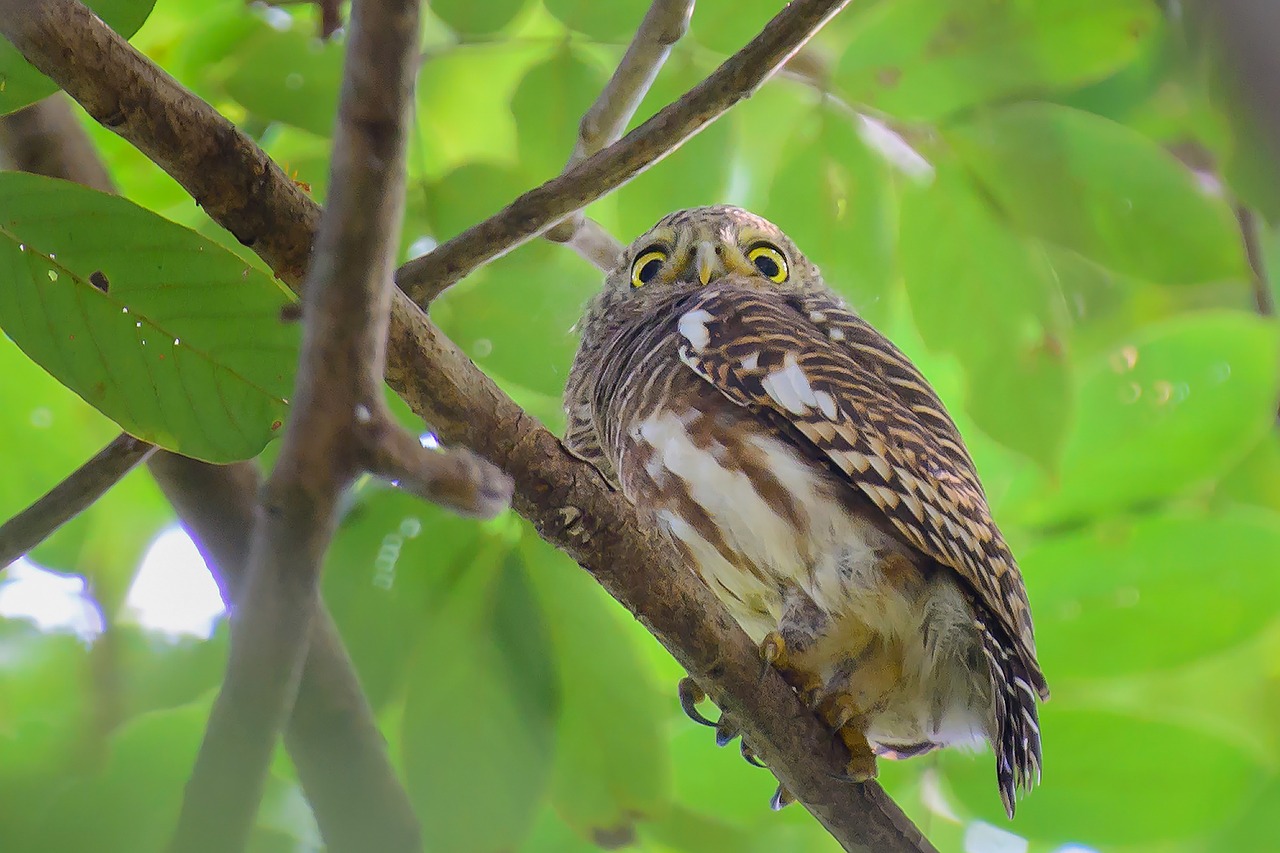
[647, 265]
[769, 260]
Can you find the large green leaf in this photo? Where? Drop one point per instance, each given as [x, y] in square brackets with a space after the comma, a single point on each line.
[287, 76]
[1178, 405]
[479, 724]
[132, 804]
[924, 59]
[726, 25]
[21, 84]
[392, 562]
[1122, 599]
[1103, 190]
[834, 195]
[991, 299]
[1128, 774]
[613, 21]
[548, 105]
[468, 18]
[162, 331]
[612, 756]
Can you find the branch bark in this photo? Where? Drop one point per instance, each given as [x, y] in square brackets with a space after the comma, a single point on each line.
[426, 277]
[332, 736]
[338, 427]
[565, 499]
[72, 496]
[664, 24]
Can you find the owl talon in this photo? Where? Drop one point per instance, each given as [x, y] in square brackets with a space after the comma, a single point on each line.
[726, 731]
[781, 799]
[773, 651]
[690, 695]
[749, 755]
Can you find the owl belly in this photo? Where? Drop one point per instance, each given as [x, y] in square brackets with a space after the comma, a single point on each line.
[786, 548]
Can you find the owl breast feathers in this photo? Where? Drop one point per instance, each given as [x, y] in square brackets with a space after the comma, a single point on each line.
[809, 475]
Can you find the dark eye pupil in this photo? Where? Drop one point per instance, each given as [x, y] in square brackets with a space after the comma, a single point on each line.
[649, 270]
[767, 265]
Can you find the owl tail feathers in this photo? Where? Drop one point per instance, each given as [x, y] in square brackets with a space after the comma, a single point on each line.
[1017, 720]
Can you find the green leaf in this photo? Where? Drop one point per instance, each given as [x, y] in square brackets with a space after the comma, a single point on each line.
[479, 722]
[921, 60]
[21, 84]
[615, 21]
[1104, 596]
[289, 76]
[835, 196]
[393, 561]
[457, 122]
[548, 105]
[1179, 404]
[612, 757]
[726, 26]
[993, 301]
[1100, 189]
[468, 18]
[184, 349]
[133, 803]
[1098, 763]
[514, 317]
[1256, 480]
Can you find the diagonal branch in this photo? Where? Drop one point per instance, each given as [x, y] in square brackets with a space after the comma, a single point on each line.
[71, 497]
[426, 277]
[332, 736]
[564, 499]
[338, 427]
[663, 25]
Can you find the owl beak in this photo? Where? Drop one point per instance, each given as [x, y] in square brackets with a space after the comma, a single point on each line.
[707, 261]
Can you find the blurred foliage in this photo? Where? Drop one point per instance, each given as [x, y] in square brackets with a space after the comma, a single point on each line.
[1001, 185]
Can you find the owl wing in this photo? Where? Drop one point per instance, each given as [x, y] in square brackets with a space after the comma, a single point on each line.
[833, 383]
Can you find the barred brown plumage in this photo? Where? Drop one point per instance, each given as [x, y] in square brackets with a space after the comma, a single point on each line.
[811, 476]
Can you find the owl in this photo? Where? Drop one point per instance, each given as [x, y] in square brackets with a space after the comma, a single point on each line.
[809, 475]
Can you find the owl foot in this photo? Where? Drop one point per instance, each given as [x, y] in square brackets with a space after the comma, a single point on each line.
[690, 695]
[844, 717]
[781, 799]
[773, 651]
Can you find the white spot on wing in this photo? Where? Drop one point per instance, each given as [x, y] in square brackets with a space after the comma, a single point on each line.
[836, 334]
[751, 362]
[827, 404]
[693, 327]
[789, 387]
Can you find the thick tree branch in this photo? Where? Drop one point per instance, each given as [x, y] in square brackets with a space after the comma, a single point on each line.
[72, 496]
[663, 25]
[338, 424]
[565, 499]
[332, 736]
[426, 277]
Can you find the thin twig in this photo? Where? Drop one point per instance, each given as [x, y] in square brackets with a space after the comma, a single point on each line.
[563, 498]
[332, 736]
[426, 277]
[72, 496]
[663, 25]
[1263, 299]
[336, 422]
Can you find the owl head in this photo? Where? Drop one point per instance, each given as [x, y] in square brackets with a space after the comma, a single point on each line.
[689, 249]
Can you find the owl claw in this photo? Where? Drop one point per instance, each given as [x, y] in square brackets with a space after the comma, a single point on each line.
[781, 799]
[773, 651]
[749, 755]
[726, 731]
[690, 695]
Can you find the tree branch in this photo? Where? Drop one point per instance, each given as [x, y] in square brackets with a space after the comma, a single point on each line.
[426, 277]
[71, 497]
[338, 423]
[564, 498]
[332, 737]
[663, 25]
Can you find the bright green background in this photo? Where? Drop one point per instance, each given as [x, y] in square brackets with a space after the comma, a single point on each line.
[1077, 295]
